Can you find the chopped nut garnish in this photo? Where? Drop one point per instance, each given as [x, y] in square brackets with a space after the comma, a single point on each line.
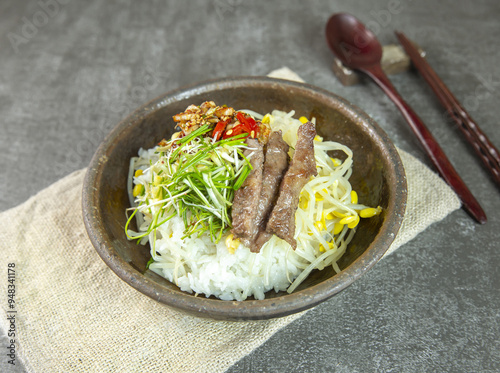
[209, 113]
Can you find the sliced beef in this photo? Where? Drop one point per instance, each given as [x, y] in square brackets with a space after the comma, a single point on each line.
[262, 237]
[275, 166]
[303, 165]
[246, 198]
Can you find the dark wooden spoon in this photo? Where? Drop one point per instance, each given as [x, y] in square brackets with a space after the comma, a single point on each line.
[358, 48]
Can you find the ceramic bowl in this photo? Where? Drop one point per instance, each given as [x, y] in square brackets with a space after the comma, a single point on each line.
[378, 177]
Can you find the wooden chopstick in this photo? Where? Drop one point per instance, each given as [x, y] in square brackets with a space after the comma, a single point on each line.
[484, 149]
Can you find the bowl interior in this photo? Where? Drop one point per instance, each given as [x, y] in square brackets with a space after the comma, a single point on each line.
[378, 177]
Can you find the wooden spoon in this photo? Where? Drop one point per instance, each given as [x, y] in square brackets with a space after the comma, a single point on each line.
[358, 48]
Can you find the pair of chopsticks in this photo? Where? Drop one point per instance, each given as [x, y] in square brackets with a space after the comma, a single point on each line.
[482, 146]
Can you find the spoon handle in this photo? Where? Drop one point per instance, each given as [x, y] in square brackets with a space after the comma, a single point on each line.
[430, 145]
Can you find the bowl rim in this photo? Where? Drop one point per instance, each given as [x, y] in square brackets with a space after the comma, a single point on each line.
[253, 309]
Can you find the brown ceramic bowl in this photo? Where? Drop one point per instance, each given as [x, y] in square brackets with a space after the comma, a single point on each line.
[378, 176]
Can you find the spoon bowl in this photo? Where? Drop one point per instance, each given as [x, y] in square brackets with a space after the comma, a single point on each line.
[352, 42]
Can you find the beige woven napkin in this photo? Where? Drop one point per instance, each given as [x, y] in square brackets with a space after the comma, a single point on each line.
[75, 315]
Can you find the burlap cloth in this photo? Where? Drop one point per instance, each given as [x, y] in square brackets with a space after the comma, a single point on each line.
[75, 315]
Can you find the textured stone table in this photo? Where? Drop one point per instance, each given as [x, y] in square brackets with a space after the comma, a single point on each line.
[71, 70]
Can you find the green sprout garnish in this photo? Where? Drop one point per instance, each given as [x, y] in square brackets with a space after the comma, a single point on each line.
[195, 178]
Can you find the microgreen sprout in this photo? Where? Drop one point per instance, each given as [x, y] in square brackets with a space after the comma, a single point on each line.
[195, 178]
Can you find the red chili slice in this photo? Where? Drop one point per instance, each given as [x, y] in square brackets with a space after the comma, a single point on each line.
[237, 130]
[219, 129]
[248, 122]
[247, 125]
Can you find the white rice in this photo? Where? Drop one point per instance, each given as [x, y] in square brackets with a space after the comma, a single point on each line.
[200, 266]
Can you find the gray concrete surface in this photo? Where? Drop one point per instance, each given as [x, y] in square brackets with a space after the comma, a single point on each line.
[71, 70]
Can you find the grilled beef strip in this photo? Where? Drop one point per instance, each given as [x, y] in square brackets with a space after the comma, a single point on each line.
[275, 166]
[303, 165]
[246, 198]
